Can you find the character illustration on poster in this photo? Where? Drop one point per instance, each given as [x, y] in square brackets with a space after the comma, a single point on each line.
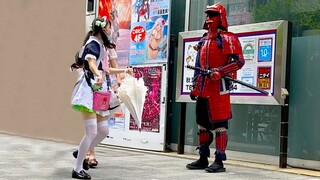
[191, 55]
[151, 109]
[118, 12]
[114, 16]
[141, 9]
[157, 39]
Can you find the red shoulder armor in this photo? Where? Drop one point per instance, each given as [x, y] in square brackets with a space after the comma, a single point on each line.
[230, 43]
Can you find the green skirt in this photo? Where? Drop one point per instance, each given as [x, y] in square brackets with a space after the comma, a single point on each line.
[82, 108]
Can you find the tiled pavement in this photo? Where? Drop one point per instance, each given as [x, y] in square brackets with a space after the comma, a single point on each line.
[32, 159]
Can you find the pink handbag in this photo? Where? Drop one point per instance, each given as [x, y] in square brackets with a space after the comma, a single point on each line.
[101, 100]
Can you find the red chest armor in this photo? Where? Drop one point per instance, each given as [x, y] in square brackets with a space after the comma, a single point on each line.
[216, 91]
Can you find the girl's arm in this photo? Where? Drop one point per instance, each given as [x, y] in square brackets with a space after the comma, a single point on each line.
[114, 67]
[121, 70]
[94, 69]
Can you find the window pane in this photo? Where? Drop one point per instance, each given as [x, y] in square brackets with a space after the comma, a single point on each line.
[90, 5]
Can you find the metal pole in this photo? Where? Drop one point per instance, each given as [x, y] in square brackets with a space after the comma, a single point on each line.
[171, 85]
[284, 122]
[284, 126]
[182, 129]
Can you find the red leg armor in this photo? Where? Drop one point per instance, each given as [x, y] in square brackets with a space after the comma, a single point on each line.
[205, 137]
[221, 140]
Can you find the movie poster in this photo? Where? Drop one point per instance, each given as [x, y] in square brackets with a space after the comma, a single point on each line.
[149, 31]
[151, 109]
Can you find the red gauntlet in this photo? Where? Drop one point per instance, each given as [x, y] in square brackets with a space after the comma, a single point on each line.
[215, 75]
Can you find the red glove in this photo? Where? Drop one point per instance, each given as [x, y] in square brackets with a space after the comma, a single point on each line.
[215, 75]
[192, 96]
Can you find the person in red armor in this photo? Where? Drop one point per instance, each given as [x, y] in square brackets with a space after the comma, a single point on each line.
[219, 52]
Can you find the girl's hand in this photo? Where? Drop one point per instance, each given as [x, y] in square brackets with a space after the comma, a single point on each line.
[118, 82]
[129, 71]
[99, 80]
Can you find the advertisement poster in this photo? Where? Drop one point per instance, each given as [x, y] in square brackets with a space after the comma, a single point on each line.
[118, 12]
[248, 49]
[264, 77]
[149, 31]
[259, 62]
[265, 49]
[118, 120]
[189, 58]
[151, 110]
[247, 76]
[140, 30]
[259, 65]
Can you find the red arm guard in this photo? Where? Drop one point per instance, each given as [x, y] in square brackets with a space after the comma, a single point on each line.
[231, 45]
[236, 64]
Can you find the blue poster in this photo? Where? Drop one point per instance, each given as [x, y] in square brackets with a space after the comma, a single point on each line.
[265, 50]
[138, 48]
[149, 32]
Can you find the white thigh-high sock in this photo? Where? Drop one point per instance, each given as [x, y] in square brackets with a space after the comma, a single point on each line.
[90, 133]
[103, 132]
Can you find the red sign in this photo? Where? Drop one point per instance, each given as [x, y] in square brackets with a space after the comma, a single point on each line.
[138, 34]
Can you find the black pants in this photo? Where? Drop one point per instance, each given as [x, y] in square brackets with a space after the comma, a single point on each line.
[203, 116]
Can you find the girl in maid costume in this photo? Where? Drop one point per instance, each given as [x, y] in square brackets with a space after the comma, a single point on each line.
[115, 81]
[93, 77]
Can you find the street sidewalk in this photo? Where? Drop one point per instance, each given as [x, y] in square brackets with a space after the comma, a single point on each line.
[33, 159]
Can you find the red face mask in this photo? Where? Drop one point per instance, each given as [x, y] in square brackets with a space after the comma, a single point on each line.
[213, 20]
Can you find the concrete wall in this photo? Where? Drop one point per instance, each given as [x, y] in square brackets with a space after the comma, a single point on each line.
[38, 40]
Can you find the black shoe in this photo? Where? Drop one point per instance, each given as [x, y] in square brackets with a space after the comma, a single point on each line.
[75, 154]
[80, 175]
[85, 164]
[215, 167]
[198, 164]
[93, 163]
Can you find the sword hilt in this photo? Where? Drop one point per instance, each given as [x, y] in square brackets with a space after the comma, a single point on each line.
[206, 71]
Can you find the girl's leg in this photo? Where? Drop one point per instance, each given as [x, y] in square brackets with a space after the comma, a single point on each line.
[90, 122]
[102, 132]
[91, 154]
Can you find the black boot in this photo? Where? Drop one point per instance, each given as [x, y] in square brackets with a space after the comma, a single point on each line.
[216, 166]
[202, 162]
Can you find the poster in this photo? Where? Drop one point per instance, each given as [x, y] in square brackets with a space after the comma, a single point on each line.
[248, 49]
[264, 78]
[189, 58]
[118, 12]
[259, 65]
[149, 31]
[140, 32]
[265, 49]
[258, 70]
[118, 120]
[247, 76]
[151, 109]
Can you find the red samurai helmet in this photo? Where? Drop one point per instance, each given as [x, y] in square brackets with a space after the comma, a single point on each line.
[216, 8]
